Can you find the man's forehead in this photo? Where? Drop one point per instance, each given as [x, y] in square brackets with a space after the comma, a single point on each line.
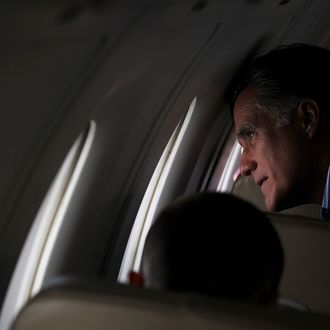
[245, 104]
[246, 117]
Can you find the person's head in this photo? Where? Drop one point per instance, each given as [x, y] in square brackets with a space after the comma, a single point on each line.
[281, 108]
[214, 244]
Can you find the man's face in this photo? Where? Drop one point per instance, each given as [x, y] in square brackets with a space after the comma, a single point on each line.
[274, 156]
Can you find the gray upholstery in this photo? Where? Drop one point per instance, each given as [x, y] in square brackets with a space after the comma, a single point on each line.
[93, 305]
[306, 243]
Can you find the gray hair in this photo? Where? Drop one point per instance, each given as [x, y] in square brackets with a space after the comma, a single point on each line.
[270, 99]
[283, 77]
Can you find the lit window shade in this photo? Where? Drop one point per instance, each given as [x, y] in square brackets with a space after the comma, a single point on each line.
[146, 213]
[34, 258]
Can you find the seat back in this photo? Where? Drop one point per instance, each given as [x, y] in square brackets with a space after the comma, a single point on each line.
[306, 243]
[90, 306]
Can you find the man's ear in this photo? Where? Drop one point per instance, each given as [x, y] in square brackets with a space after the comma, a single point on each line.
[308, 115]
[135, 279]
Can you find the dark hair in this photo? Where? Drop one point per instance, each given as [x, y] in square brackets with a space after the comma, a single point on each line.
[285, 75]
[215, 244]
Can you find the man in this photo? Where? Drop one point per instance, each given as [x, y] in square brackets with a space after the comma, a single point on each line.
[214, 244]
[281, 108]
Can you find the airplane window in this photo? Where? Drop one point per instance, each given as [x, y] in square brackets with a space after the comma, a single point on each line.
[150, 202]
[34, 258]
[229, 174]
[225, 171]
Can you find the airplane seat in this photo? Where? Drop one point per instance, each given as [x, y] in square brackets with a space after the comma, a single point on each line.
[306, 242]
[97, 304]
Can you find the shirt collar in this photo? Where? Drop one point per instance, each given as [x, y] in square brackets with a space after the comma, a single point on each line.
[325, 212]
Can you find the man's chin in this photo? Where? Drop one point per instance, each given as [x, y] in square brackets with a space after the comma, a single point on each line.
[271, 208]
[276, 205]
[271, 205]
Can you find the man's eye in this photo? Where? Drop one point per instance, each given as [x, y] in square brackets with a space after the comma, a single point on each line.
[249, 134]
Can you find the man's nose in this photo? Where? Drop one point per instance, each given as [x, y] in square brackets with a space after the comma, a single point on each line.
[248, 164]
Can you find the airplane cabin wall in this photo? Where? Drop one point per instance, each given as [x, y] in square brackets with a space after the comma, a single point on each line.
[133, 67]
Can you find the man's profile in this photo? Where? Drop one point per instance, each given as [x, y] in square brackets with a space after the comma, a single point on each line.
[281, 106]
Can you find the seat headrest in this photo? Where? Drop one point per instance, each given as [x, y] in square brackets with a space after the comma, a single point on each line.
[90, 305]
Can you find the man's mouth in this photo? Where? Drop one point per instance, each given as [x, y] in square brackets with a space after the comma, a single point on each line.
[261, 181]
